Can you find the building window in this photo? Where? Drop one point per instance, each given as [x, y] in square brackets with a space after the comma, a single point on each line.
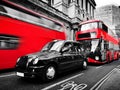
[55, 1]
[46, 1]
[86, 6]
[78, 2]
[70, 1]
[83, 15]
[52, 2]
[81, 3]
[79, 12]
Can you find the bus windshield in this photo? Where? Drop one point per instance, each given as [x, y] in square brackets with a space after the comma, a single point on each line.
[90, 45]
[88, 26]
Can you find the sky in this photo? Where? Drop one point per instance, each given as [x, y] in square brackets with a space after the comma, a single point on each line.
[106, 2]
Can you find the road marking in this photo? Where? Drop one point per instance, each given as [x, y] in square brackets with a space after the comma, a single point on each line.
[53, 85]
[118, 66]
[99, 67]
[71, 85]
[7, 75]
[98, 84]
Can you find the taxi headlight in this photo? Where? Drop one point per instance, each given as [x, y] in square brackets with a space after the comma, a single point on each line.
[36, 60]
[96, 57]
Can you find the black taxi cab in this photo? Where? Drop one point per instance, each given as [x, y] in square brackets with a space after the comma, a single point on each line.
[55, 57]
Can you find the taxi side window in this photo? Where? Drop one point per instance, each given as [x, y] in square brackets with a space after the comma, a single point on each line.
[67, 48]
[78, 48]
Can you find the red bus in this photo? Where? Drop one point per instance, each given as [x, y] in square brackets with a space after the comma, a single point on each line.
[24, 31]
[100, 44]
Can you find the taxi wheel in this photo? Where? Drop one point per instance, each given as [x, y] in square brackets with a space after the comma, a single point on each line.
[49, 73]
[84, 65]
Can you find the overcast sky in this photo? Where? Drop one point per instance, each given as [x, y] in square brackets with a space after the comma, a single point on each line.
[106, 2]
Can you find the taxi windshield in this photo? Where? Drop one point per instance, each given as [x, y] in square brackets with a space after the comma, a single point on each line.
[56, 46]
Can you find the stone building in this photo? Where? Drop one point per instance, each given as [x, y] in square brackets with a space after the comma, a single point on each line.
[77, 10]
[110, 14]
[117, 28]
[69, 12]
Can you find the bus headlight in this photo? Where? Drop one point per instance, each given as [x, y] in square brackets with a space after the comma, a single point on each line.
[96, 57]
[36, 60]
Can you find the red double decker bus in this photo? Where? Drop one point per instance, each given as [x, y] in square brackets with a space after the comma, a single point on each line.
[24, 31]
[98, 41]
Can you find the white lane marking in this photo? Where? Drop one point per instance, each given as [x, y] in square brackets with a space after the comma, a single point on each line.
[71, 85]
[53, 85]
[99, 67]
[7, 75]
[98, 84]
[118, 66]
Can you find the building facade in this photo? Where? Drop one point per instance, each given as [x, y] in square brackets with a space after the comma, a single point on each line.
[110, 14]
[69, 12]
[77, 10]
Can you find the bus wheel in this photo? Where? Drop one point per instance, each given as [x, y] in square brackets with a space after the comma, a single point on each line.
[108, 59]
[117, 57]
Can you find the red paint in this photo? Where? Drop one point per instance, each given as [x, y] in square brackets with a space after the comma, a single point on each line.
[32, 38]
[90, 60]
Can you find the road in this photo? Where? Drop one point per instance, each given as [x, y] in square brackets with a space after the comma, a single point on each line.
[96, 77]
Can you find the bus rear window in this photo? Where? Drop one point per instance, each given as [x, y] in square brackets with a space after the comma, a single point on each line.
[8, 42]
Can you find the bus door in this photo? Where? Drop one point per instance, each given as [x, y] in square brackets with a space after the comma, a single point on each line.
[103, 49]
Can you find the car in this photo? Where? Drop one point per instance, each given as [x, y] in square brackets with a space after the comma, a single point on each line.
[57, 56]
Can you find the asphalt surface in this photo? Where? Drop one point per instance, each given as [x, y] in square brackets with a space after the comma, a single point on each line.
[96, 77]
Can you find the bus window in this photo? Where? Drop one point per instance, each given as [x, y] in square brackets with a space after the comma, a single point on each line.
[8, 42]
[100, 25]
[37, 20]
[104, 28]
[50, 24]
[88, 26]
[94, 44]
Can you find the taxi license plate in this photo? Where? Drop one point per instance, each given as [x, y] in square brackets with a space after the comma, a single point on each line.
[20, 74]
